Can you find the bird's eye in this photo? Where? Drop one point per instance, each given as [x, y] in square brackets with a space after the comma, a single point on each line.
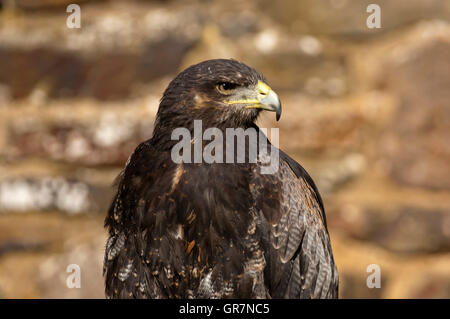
[226, 87]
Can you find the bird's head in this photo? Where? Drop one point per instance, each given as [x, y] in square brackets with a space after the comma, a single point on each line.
[221, 92]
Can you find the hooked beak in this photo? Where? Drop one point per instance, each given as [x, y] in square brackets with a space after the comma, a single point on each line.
[269, 100]
[266, 99]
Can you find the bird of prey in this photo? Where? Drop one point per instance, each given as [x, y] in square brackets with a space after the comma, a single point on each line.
[216, 230]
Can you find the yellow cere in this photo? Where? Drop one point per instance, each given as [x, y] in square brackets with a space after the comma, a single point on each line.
[263, 89]
[253, 106]
[242, 101]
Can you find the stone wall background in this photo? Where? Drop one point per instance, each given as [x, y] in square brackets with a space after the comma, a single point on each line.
[366, 112]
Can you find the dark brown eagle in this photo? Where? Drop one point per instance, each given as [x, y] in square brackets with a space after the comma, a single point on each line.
[220, 229]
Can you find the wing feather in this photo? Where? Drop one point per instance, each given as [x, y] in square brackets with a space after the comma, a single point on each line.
[301, 263]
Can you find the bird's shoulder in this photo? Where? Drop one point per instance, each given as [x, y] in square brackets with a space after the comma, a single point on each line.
[295, 236]
[303, 175]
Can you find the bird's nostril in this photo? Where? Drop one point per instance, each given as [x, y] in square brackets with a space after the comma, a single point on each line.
[263, 88]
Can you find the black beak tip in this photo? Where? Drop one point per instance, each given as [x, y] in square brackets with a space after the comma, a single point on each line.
[278, 113]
